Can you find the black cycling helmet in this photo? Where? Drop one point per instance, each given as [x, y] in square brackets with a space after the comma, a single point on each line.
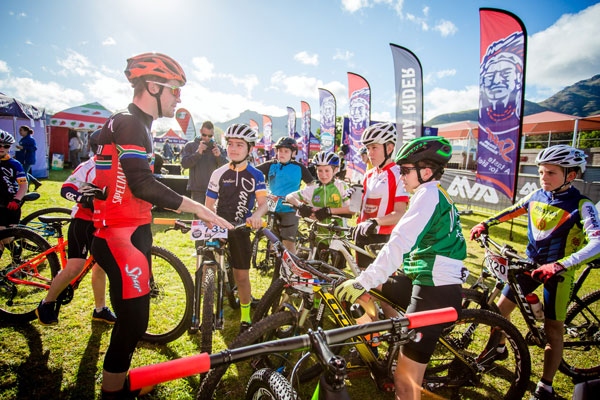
[432, 148]
[288, 142]
[94, 140]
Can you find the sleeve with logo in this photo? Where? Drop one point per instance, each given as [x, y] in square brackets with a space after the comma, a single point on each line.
[591, 227]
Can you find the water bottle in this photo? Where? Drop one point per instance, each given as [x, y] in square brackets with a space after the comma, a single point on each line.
[536, 306]
[361, 317]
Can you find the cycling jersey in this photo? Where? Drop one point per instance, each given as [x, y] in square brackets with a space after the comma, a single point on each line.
[332, 195]
[124, 165]
[382, 189]
[558, 226]
[284, 179]
[11, 176]
[427, 242]
[236, 191]
[84, 173]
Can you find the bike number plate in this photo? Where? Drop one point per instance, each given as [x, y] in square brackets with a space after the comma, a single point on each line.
[497, 265]
[200, 231]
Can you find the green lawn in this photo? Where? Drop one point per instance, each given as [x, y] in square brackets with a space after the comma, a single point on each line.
[65, 361]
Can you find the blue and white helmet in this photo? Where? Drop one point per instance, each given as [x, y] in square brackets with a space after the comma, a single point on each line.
[562, 155]
[326, 158]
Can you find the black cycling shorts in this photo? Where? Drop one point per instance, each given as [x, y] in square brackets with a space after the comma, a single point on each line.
[240, 249]
[400, 290]
[125, 255]
[80, 236]
[286, 226]
[9, 217]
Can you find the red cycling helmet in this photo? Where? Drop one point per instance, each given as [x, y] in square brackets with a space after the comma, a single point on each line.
[154, 64]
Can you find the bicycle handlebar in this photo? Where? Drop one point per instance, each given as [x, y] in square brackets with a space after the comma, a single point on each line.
[166, 371]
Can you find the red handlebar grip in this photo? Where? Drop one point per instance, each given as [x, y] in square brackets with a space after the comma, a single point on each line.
[167, 371]
[431, 317]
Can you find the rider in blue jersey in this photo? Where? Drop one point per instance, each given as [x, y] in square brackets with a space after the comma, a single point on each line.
[564, 233]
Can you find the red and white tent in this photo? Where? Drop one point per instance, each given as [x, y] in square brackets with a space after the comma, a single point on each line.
[88, 117]
[172, 136]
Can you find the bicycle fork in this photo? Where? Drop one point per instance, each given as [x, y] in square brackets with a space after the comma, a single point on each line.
[222, 276]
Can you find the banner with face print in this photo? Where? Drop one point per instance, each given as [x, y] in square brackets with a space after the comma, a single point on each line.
[267, 134]
[186, 122]
[360, 116]
[501, 98]
[305, 131]
[291, 124]
[409, 94]
[328, 114]
[254, 127]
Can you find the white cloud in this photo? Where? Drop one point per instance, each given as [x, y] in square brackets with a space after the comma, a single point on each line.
[344, 55]
[446, 28]
[203, 69]
[109, 41]
[43, 94]
[29, 42]
[354, 5]
[4, 67]
[431, 78]
[74, 63]
[440, 101]
[381, 116]
[446, 72]
[304, 86]
[112, 93]
[421, 21]
[308, 59]
[247, 81]
[566, 52]
[426, 11]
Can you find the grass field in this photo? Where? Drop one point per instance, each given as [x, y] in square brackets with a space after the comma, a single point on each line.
[65, 361]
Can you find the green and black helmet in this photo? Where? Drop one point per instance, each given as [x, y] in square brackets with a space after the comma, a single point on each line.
[433, 148]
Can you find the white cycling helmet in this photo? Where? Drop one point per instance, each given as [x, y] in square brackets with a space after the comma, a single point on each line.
[6, 138]
[563, 156]
[241, 131]
[326, 158]
[381, 132]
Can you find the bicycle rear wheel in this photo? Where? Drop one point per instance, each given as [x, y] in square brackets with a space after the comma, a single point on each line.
[171, 298]
[32, 221]
[465, 362]
[581, 353]
[267, 384]
[21, 274]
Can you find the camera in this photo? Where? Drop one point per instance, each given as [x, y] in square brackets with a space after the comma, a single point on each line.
[210, 144]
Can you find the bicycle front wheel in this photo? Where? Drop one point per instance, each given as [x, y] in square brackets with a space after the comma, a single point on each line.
[263, 257]
[171, 298]
[581, 353]
[267, 384]
[465, 361]
[25, 275]
[208, 310]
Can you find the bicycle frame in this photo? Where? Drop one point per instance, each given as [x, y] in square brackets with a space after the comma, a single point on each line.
[216, 247]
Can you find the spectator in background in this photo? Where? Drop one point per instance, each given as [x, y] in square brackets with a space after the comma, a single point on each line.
[26, 153]
[176, 152]
[167, 151]
[75, 145]
[202, 157]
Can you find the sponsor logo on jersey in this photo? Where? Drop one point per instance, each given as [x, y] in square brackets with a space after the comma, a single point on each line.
[134, 274]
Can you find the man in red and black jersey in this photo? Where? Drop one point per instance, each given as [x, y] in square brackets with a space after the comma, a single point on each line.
[123, 237]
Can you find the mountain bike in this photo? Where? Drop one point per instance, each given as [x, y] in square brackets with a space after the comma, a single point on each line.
[269, 384]
[463, 361]
[32, 220]
[213, 282]
[581, 353]
[28, 264]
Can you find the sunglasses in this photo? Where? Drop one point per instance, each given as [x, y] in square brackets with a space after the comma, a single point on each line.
[175, 90]
[203, 135]
[5, 146]
[406, 170]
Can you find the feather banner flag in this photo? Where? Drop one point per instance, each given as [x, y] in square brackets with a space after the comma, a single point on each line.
[186, 122]
[254, 127]
[359, 93]
[409, 94]
[501, 99]
[328, 114]
[267, 134]
[305, 132]
[291, 124]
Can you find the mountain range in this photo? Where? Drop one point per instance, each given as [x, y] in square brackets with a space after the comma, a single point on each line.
[581, 99]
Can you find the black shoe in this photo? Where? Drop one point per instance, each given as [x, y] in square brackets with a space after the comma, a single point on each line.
[244, 326]
[105, 315]
[542, 394]
[46, 313]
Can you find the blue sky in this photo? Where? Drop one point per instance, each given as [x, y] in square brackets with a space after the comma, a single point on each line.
[266, 55]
